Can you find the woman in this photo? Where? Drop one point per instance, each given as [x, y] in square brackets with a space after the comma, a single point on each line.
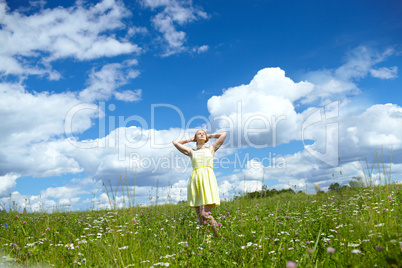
[202, 189]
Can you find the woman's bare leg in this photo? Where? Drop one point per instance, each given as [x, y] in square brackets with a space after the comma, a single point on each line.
[199, 217]
[206, 215]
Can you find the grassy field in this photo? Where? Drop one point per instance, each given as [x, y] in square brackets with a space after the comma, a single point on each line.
[353, 228]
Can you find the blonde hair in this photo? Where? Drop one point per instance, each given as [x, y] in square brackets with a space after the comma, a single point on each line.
[206, 136]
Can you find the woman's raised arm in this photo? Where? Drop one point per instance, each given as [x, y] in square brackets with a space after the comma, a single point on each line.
[220, 138]
[182, 148]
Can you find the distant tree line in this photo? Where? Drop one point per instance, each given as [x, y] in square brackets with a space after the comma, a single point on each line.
[355, 183]
[335, 187]
[267, 193]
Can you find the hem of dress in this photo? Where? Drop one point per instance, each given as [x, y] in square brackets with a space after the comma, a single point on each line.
[211, 204]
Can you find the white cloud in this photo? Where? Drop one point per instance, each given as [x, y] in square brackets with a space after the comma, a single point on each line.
[34, 122]
[78, 31]
[30, 117]
[64, 192]
[254, 170]
[360, 61]
[337, 84]
[230, 188]
[365, 133]
[103, 83]
[175, 13]
[384, 72]
[261, 113]
[8, 183]
[31, 202]
[128, 95]
[201, 49]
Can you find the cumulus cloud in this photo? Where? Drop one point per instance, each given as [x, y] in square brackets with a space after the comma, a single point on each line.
[32, 203]
[261, 113]
[367, 132]
[79, 32]
[34, 123]
[8, 183]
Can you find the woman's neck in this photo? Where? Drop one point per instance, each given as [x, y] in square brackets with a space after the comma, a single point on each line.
[200, 146]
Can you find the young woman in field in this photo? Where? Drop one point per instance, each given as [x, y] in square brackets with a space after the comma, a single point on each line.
[202, 188]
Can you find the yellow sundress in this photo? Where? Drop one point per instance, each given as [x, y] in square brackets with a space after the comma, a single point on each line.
[202, 188]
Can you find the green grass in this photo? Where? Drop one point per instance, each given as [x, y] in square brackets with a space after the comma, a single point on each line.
[363, 226]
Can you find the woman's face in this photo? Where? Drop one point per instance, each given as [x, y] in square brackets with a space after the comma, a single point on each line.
[200, 135]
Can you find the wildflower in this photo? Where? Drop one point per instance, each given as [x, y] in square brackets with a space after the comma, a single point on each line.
[24, 222]
[205, 222]
[166, 264]
[290, 264]
[133, 221]
[5, 224]
[228, 214]
[47, 229]
[330, 250]
[379, 249]
[186, 244]
[356, 251]
[287, 217]
[16, 216]
[70, 246]
[219, 224]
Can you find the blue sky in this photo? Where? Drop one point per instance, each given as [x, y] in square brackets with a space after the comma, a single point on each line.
[94, 90]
